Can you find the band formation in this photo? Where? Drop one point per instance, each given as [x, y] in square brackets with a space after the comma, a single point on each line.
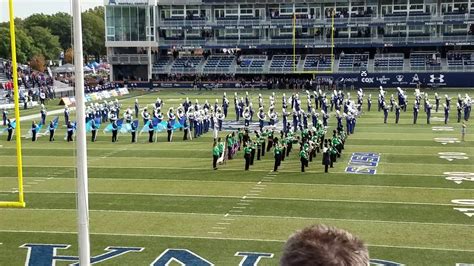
[254, 132]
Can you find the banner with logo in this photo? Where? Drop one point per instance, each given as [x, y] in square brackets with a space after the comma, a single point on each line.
[364, 79]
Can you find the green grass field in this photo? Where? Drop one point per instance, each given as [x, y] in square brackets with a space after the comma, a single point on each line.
[166, 195]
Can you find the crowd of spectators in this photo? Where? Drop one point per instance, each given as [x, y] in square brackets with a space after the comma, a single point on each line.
[270, 82]
[34, 85]
[38, 86]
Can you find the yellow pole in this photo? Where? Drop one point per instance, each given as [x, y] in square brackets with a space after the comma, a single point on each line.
[21, 198]
[332, 41]
[294, 42]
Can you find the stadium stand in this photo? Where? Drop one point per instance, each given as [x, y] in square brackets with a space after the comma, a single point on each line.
[425, 61]
[317, 63]
[387, 62]
[379, 36]
[251, 63]
[187, 63]
[161, 64]
[353, 62]
[283, 63]
[218, 63]
[460, 60]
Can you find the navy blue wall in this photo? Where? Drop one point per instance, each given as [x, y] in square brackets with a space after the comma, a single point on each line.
[363, 80]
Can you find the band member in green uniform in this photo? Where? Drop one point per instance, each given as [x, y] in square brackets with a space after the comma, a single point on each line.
[220, 145]
[240, 134]
[247, 156]
[277, 154]
[303, 158]
[270, 140]
[215, 155]
[252, 153]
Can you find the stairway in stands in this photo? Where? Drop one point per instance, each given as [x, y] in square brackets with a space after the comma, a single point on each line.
[3, 79]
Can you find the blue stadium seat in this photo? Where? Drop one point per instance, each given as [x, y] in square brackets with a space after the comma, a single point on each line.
[385, 62]
[317, 63]
[353, 62]
[218, 63]
[283, 63]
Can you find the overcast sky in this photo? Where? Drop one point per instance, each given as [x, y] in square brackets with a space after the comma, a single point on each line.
[25, 8]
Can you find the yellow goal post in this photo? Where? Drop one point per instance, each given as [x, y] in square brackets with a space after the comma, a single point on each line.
[21, 200]
[315, 72]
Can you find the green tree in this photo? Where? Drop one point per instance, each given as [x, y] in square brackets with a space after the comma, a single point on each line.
[93, 30]
[24, 44]
[41, 20]
[48, 35]
[59, 24]
[47, 43]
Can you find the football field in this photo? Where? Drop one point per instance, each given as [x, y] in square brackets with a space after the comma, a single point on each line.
[414, 207]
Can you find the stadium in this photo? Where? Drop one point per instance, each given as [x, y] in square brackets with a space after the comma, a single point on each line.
[220, 128]
[394, 42]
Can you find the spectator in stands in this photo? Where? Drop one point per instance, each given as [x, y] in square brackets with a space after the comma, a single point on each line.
[324, 245]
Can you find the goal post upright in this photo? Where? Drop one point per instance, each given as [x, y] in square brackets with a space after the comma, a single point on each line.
[21, 199]
[333, 58]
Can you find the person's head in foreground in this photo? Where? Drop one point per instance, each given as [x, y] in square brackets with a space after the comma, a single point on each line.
[321, 245]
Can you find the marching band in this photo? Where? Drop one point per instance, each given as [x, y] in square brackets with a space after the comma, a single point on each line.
[307, 127]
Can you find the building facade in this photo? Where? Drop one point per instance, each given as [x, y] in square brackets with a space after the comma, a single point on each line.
[141, 35]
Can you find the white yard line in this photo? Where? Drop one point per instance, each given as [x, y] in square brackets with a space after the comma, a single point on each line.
[226, 169]
[253, 196]
[220, 238]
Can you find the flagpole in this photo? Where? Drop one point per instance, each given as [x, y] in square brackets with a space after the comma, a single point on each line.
[81, 160]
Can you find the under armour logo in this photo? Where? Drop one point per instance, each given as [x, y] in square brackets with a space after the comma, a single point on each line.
[363, 73]
[439, 79]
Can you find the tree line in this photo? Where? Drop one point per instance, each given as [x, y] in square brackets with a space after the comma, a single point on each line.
[41, 37]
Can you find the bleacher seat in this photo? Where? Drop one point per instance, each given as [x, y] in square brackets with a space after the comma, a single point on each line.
[282, 63]
[186, 62]
[161, 64]
[218, 63]
[253, 62]
[317, 63]
[388, 62]
[353, 61]
[424, 61]
[460, 59]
